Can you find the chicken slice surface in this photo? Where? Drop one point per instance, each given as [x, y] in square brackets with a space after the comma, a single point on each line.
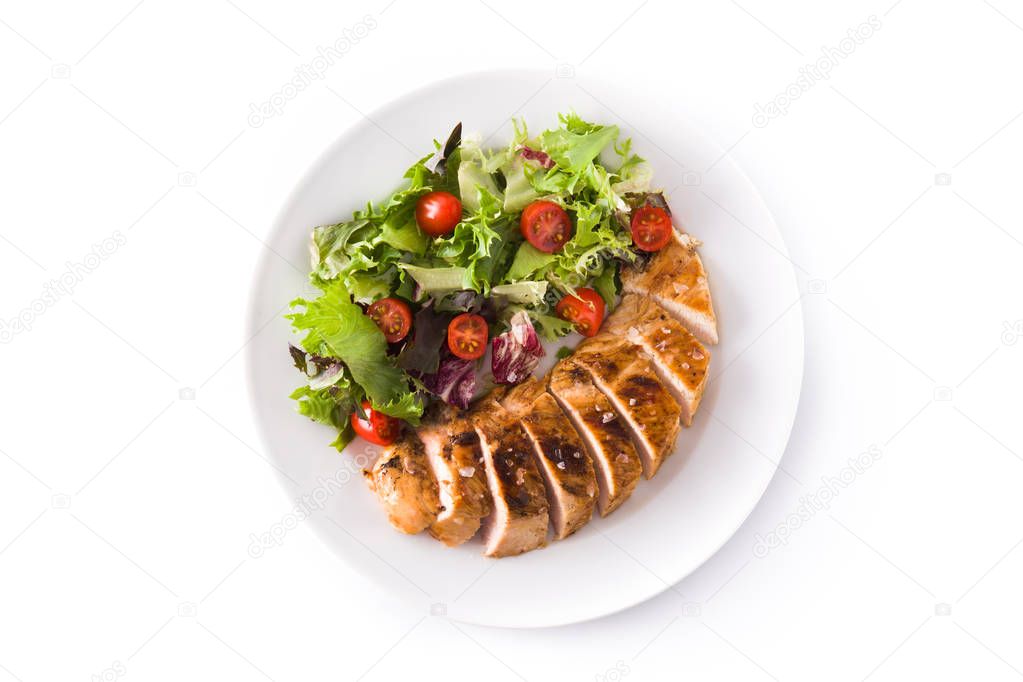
[677, 356]
[452, 448]
[674, 277]
[560, 455]
[519, 519]
[404, 483]
[623, 373]
[615, 461]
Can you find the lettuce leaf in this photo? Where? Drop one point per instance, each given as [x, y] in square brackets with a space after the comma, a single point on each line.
[474, 175]
[337, 328]
[437, 280]
[576, 143]
[481, 243]
[329, 406]
[527, 293]
[529, 260]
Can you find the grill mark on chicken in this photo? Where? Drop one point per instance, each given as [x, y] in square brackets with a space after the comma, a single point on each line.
[622, 373]
[560, 455]
[518, 522]
[607, 442]
[678, 358]
[457, 463]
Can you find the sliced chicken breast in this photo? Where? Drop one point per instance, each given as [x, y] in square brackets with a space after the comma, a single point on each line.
[677, 356]
[615, 461]
[518, 522]
[452, 448]
[674, 277]
[622, 373]
[560, 455]
[403, 482]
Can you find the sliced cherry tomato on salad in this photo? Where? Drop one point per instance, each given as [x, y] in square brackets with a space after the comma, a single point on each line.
[467, 336]
[437, 213]
[651, 228]
[378, 428]
[546, 226]
[585, 310]
[393, 316]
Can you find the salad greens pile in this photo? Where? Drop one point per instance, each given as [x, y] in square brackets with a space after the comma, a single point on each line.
[484, 266]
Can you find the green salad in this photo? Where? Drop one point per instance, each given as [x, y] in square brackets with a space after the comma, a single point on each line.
[480, 250]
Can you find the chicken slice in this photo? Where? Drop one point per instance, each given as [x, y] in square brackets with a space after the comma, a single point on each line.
[404, 483]
[622, 373]
[677, 356]
[674, 277]
[568, 472]
[518, 522]
[453, 450]
[608, 444]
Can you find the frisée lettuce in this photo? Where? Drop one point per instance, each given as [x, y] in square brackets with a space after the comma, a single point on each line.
[483, 266]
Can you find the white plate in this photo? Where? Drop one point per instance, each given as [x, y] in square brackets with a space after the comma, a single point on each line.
[702, 494]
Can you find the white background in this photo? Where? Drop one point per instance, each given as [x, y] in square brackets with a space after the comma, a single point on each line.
[127, 507]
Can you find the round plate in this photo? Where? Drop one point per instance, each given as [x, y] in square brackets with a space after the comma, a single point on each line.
[722, 464]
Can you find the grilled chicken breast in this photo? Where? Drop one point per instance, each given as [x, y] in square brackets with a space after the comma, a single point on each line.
[674, 277]
[560, 455]
[622, 373]
[404, 483]
[452, 448]
[677, 356]
[615, 461]
[518, 522]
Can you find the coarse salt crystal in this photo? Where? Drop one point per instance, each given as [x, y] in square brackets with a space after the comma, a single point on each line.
[606, 417]
[632, 401]
[467, 472]
[685, 365]
[665, 330]
[697, 355]
[520, 476]
[561, 465]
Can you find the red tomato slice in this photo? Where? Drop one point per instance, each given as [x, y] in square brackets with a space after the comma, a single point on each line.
[651, 228]
[393, 316]
[586, 311]
[378, 428]
[467, 336]
[437, 213]
[546, 226]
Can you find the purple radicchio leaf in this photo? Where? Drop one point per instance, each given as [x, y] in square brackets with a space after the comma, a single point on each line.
[536, 155]
[454, 382]
[517, 352]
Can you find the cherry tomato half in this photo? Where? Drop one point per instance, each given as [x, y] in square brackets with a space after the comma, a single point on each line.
[585, 310]
[437, 213]
[651, 228]
[467, 336]
[546, 226]
[393, 317]
[378, 428]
